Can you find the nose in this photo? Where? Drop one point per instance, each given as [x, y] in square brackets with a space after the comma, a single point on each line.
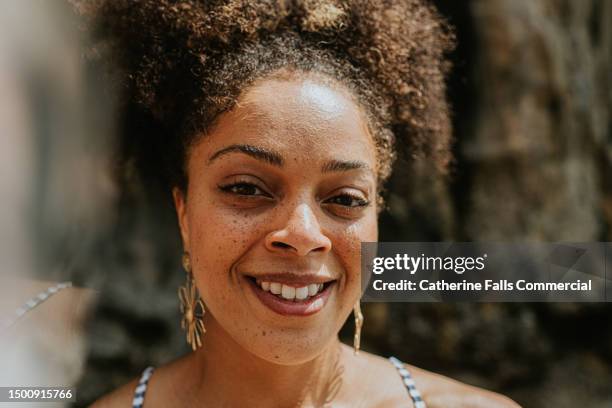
[300, 235]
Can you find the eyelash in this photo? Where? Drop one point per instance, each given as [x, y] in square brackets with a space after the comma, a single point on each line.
[229, 187]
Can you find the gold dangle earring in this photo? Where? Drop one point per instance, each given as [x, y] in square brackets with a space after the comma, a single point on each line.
[358, 325]
[192, 307]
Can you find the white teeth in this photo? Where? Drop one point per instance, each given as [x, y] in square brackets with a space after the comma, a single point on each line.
[291, 292]
[275, 288]
[288, 292]
[301, 293]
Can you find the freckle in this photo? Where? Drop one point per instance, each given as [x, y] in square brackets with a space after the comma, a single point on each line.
[263, 333]
[276, 357]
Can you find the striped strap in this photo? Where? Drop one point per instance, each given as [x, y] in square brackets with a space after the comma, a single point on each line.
[32, 303]
[141, 389]
[409, 383]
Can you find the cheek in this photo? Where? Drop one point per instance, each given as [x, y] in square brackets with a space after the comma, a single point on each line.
[348, 248]
[218, 237]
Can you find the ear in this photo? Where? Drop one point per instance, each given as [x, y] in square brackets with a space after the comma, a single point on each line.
[180, 204]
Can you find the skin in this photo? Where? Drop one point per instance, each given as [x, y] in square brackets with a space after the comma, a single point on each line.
[286, 220]
[295, 217]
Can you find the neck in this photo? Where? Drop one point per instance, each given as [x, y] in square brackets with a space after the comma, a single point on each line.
[231, 374]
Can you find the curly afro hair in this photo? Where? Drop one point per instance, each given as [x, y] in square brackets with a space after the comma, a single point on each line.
[183, 63]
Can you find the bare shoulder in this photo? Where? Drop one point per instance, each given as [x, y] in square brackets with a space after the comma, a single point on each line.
[436, 390]
[161, 390]
[121, 397]
[440, 391]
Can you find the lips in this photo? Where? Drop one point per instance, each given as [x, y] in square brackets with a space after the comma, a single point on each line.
[292, 295]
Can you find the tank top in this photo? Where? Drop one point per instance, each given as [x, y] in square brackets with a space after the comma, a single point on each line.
[415, 395]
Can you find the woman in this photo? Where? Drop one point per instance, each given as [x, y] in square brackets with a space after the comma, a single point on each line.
[276, 125]
[56, 196]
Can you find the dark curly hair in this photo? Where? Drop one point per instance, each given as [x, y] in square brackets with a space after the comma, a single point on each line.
[183, 63]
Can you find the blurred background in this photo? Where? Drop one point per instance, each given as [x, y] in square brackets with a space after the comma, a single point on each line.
[531, 92]
[57, 192]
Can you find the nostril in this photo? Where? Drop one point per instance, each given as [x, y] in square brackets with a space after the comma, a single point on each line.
[280, 244]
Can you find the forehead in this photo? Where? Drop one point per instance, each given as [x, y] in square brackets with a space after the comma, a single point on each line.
[301, 117]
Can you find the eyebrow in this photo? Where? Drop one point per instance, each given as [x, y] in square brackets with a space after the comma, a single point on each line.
[271, 157]
[258, 153]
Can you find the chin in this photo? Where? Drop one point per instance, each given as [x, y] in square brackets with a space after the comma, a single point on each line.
[290, 346]
[284, 331]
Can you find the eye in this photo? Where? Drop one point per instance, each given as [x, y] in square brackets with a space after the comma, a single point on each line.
[348, 200]
[243, 188]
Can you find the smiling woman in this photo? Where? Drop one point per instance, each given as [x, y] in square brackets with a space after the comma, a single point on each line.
[277, 122]
[284, 184]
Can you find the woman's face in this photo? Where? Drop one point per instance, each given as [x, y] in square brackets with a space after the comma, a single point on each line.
[280, 195]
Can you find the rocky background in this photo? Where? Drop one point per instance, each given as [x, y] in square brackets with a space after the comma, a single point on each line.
[532, 97]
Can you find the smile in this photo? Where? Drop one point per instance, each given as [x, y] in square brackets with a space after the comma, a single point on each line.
[292, 298]
[290, 292]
